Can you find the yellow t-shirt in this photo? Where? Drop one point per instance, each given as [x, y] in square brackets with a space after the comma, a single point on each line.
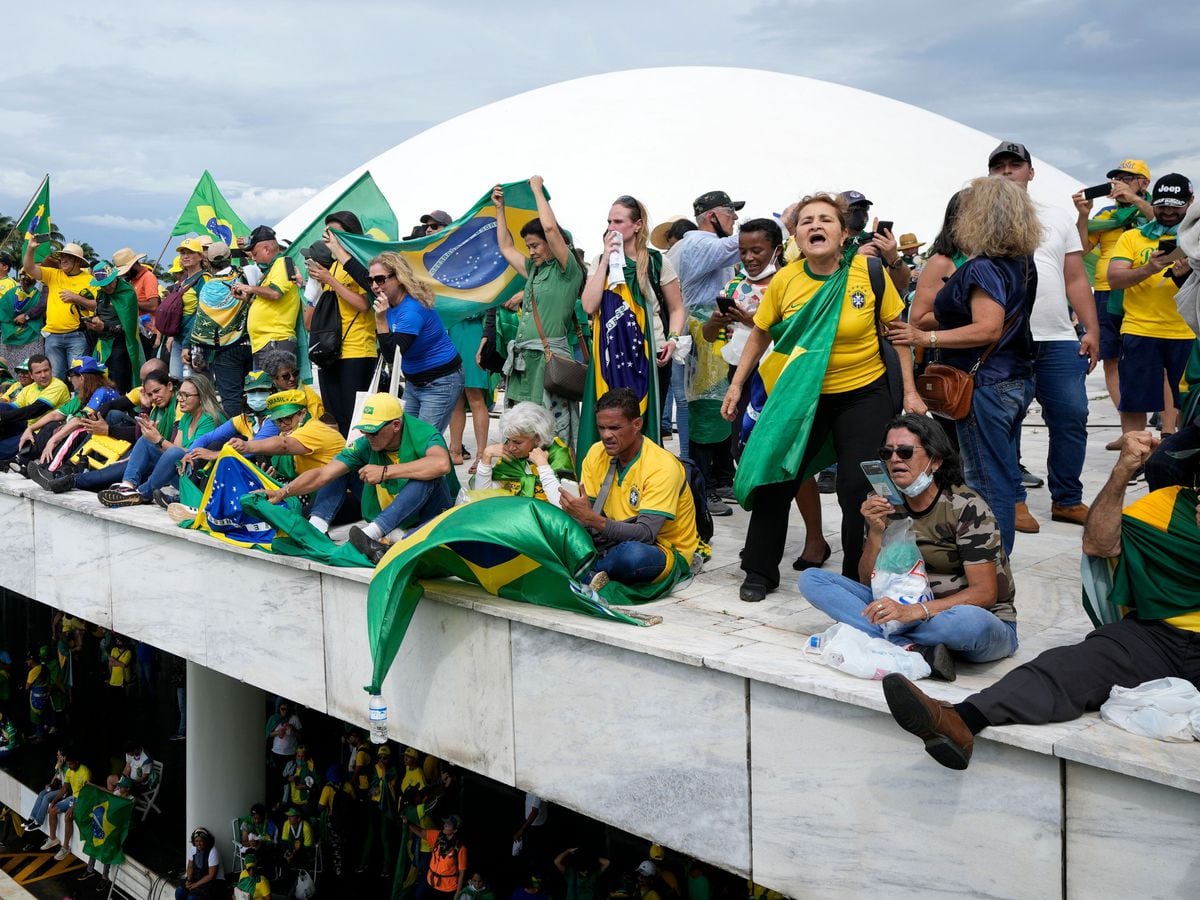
[10, 394]
[357, 326]
[324, 442]
[55, 393]
[1149, 305]
[654, 482]
[854, 360]
[77, 778]
[274, 320]
[413, 778]
[63, 317]
[122, 674]
[6, 285]
[1104, 242]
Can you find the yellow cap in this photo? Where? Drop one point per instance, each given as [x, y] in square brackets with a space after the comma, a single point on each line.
[1132, 166]
[285, 403]
[378, 411]
[193, 243]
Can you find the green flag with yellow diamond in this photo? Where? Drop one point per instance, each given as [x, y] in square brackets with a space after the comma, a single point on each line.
[103, 822]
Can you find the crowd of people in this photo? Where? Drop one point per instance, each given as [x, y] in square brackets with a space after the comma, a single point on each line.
[683, 368]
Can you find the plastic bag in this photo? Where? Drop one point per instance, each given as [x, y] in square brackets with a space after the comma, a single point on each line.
[854, 652]
[899, 572]
[1167, 709]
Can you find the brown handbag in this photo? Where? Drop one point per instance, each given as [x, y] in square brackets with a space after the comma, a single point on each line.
[562, 375]
[947, 390]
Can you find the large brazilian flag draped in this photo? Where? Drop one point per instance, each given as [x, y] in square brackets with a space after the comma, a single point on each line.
[790, 376]
[513, 547]
[208, 212]
[462, 262]
[365, 200]
[103, 822]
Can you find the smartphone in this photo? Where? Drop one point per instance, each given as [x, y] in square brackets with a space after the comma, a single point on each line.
[1167, 245]
[725, 304]
[885, 226]
[1095, 192]
[866, 237]
[881, 482]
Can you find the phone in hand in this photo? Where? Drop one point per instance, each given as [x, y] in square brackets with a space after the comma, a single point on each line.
[1167, 245]
[881, 481]
[887, 226]
[725, 304]
[1096, 191]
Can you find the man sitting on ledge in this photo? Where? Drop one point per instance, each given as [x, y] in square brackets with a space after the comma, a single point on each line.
[1156, 540]
[643, 520]
[402, 463]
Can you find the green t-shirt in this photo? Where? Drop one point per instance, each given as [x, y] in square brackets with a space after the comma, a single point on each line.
[555, 290]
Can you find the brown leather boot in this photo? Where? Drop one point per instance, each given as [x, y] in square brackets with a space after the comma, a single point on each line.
[1026, 523]
[947, 737]
[1076, 515]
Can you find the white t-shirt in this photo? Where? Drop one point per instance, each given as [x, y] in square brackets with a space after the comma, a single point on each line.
[532, 800]
[138, 765]
[1051, 316]
[213, 860]
[285, 744]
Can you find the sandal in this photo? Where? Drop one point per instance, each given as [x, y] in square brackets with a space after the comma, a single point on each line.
[474, 466]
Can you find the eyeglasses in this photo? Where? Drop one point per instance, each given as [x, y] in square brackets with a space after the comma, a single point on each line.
[379, 280]
[1124, 177]
[186, 394]
[904, 451]
[287, 376]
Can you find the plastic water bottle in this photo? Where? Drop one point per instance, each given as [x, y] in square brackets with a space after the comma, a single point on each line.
[377, 713]
[815, 648]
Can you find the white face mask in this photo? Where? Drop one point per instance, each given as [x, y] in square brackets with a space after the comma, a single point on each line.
[257, 401]
[766, 273]
[919, 484]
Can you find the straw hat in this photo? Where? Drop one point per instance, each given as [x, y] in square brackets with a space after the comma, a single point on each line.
[125, 259]
[658, 237]
[909, 242]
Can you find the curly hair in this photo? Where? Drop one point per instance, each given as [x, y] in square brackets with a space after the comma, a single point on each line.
[996, 218]
[413, 286]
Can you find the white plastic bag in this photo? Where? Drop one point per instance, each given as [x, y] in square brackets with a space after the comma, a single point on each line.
[1167, 709]
[844, 647]
[899, 572]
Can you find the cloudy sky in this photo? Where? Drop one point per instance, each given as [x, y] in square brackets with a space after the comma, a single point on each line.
[125, 105]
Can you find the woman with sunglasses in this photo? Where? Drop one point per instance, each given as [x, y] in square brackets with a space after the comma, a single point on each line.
[284, 370]
[971, 615]
[405, 321]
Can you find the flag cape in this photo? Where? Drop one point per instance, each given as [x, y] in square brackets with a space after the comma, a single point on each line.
[513, 547]
[103, 822]
[36, 220]
[365, 200]
[623, 356]
[11, 333]
[208, 212]
[791, 375]
[1156, 573]
[462, 262]
[124, 301]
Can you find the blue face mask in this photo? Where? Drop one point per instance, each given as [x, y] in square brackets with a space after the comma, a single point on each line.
[919, 484]
[257, 401]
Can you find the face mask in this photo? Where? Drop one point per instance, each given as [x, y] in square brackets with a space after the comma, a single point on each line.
[919, 484]
[257, 401]
[856, 220]
[767, 272]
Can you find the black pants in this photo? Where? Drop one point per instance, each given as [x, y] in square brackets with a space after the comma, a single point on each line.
[120, 367]
[715, 462]
[856, 420]
[1065, 682]
[1164, 470]
[228, 368]
[340, 383]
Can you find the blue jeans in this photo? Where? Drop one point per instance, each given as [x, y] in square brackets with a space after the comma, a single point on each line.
[987, 439]
[435, 402]
[1058, 384]
[971, 632]
[62, 348]
[677, 397]
[632, 562]
[149, 468]
[42, 805]
[328, 500]
[416, 504]
[99, 479]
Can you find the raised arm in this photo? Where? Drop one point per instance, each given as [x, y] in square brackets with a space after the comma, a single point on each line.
[508, 248]
[554, 235]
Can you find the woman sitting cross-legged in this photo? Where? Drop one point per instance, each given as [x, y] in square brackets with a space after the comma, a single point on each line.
[972, 615]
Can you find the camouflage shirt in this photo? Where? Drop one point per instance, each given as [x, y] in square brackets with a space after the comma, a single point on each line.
[959, 530]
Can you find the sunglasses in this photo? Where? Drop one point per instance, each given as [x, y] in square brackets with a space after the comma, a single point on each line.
[288, 376]
[379, 280]
[904, 451]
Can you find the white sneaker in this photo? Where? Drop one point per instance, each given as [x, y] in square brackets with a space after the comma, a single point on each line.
[50, 844]
[61, 854]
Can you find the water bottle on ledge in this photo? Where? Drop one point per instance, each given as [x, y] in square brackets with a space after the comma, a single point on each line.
[377, 713]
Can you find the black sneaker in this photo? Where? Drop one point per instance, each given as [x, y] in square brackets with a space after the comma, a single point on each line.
[725, 492]
[367, 545]
[827, 481]
[754, 589]
[121, 495]
[165, 496]
[1029, 480]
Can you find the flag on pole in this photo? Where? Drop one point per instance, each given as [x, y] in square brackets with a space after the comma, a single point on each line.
[103, 822]
[365, 200]
[36, 220]
[462, 262]
[208, 212]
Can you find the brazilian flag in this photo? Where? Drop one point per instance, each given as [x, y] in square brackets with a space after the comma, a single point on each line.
[365, 200]
[462, 262]
[103, 822]
[514, 547]
[1156, 573]
[36, 220]
[208, 212]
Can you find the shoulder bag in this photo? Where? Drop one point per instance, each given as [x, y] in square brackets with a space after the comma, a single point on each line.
[563, 376]
[947, 390]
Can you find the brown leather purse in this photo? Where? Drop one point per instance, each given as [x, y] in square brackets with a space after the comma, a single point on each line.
[947, 390]
[562, 375]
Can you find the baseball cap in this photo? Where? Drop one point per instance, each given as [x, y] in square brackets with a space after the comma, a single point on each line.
[378, 411]
[319, 253]
[285, 403]
[85, 365]
[218, 250]
[714, 200]
[856, 198]
[438, 216]
[1130, 166]
[260, 234]
[258, 380]
[103, 273]
[193, 243]
[647, 868]
[1172, 189]
[1009, 148]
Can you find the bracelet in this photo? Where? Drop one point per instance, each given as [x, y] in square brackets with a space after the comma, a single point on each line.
[672, 336]
[933, 340]
[926, 608]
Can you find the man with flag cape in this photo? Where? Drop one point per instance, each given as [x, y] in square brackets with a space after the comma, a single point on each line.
[120, 349]
[1151, 549]
[20, 323]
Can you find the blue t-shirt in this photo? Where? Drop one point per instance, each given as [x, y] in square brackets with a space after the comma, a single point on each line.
[1013, 284]
[432, 348]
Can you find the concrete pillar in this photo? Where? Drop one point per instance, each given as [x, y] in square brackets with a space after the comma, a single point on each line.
[225, 722]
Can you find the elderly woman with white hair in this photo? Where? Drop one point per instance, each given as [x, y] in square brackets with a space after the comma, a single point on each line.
[527, 462]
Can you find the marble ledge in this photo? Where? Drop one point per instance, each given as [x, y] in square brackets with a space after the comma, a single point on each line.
[1107, 747]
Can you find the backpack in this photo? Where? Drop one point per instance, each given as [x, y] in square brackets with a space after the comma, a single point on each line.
[325, 332]
[695, 482]
[168, 318]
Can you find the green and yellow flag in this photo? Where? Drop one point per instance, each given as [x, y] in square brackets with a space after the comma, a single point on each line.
[513, 547]
[365, 200]
[1156, 573]
[103, 822]
[36, 220]
[462, 262]
[208, 212]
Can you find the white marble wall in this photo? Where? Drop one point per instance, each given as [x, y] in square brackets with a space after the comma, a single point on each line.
[643, 743]
[846, 804]
[17, 559]
[449, 691]
[72, 570]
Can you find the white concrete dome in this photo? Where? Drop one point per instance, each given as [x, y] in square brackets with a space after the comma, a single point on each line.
[768, 139]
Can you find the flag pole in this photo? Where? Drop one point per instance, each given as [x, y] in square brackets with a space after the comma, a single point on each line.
[17, 223]
[166, 243]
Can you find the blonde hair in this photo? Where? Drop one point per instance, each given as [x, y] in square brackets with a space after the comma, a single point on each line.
[413, 286]
[837, 201]
[996, 218]
[641, 240]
